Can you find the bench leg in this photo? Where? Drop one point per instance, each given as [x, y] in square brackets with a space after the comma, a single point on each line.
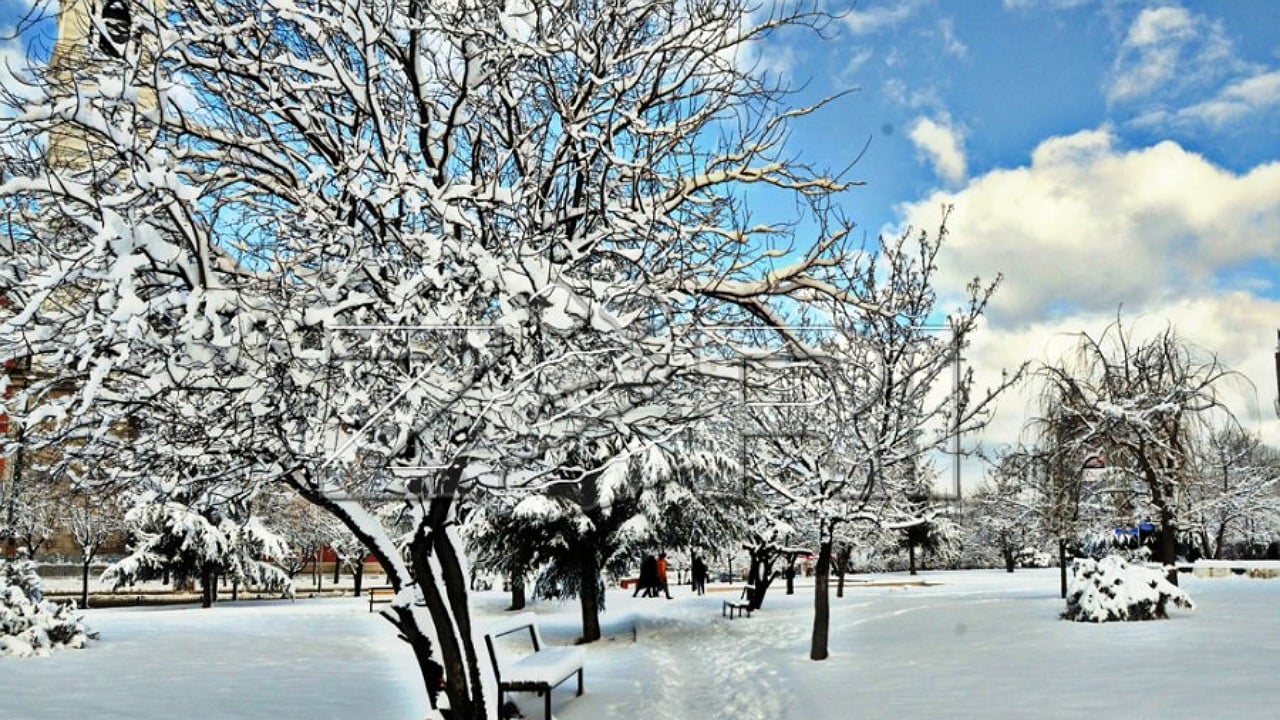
[579, 681]
[547, 716]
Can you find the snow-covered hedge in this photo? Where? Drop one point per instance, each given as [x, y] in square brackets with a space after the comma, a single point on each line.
[1112, 589]
[29, 624]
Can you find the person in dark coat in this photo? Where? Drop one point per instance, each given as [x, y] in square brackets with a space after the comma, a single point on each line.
[648, 577]
[698, 571]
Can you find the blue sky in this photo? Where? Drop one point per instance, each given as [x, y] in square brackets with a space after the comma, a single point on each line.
[1099, 154]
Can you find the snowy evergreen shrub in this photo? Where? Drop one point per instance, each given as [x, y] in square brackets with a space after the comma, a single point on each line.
[29, 624]
[1112, 589]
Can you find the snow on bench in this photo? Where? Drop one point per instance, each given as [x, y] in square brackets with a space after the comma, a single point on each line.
[539, 671]
[738, 606]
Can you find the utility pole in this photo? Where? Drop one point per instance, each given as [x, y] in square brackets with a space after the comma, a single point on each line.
[1278, 373]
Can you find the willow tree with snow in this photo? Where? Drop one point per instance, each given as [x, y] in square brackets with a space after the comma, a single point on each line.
[1139, 406]
[398, 252]
[843, 437]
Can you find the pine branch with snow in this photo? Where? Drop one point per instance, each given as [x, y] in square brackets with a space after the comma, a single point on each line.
[29, 624]
[1111, 590]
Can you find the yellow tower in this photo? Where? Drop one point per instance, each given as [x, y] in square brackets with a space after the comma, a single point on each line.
[95, 42]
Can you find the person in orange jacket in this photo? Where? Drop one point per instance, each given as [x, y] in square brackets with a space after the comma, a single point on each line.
[662, 575]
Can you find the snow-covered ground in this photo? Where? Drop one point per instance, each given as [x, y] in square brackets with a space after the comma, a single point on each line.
[975, 645]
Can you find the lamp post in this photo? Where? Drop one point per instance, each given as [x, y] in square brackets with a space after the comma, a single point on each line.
[1092, 462]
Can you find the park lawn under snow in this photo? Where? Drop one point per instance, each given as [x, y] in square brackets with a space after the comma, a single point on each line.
[975, 645]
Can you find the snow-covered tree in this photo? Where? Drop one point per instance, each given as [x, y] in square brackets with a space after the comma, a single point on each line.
[305, 529]
[844, 436]
[396, 252]
[1111, 590]
[29, 624]
[575, 532]
[1006, 511]
[1232, 497]
[204, 542]
[1136, 407]
[91, 519]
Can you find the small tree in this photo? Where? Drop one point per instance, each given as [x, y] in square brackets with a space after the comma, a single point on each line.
[91, 518]
[1233, 491]
[29, 624]
[1005, 510]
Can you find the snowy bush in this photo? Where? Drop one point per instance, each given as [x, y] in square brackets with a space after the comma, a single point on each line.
[29, 624]
[1033, 557]
[1112, 589]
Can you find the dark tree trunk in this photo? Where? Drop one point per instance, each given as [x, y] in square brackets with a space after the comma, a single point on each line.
[337, 568]
[821, 604]
[911, 557]
[84, 582]
[517, 590]
[1168, 544]
[760, 575]
[589, 595]
[357, 576]
[1062, 565]
[1009, 558]
[841, 568]
[438, 574]
[445, 597]
[207, 588]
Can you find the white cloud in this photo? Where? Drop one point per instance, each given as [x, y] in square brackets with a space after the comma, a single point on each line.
[1237, 327]
[1169, 51]
[1052, 4]
[864, 22]
[1240, 99]
[849, 73]
[1177, 68]
[1087, 227]
[950, 43]
[943, 144]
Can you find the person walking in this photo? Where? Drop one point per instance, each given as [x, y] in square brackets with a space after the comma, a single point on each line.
[648, 582]
[698, 573]
[662, 577]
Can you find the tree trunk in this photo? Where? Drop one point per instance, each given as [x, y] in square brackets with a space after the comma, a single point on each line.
[841, 568]
[1168, 544]
[760, 574]
[440, 572]
[441, 625]
[206, 586]
[589, 595]
[357, 576]
[911, 558]
[84, 582]
[1062, 565]
[821, 604]
[517, 590]
[1009, 558]
[337, 568]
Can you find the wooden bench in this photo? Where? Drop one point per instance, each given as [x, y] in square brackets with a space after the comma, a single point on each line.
[380, 594]
[539, 671]
[738, 606]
